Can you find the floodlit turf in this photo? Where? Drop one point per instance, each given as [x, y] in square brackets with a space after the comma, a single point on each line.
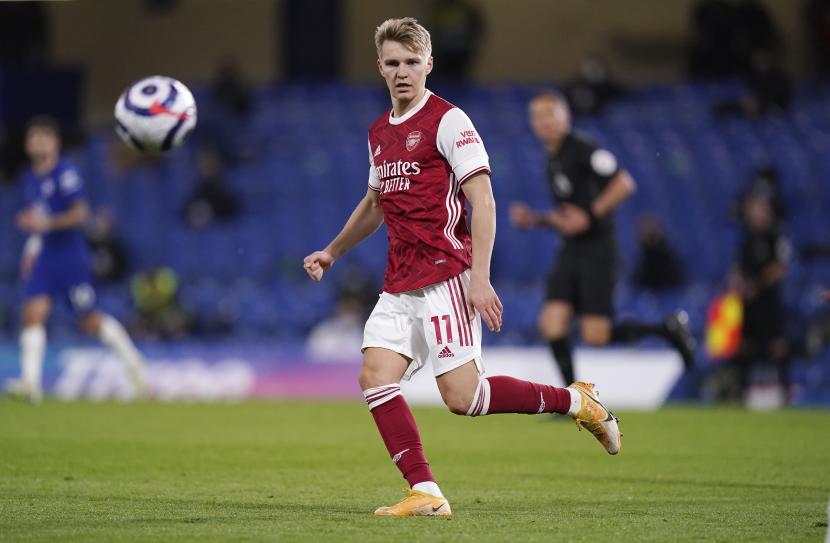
[315, 472]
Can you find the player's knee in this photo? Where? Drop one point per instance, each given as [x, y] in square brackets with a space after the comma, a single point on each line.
[550, 329]
[552, 326]
[88, 327]
[365, 379]
[458, 403]
[371, 378]
[458, 406]
[596, 336]
[30, 319]
[35, 312]
[552, 334]
[91, 324]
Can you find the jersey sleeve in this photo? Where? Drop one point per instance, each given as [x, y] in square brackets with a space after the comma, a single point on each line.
[783, 249]
[70, 184]
[602, 163]
[374, 180]
[459, 143]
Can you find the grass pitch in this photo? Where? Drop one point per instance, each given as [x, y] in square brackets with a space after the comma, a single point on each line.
[315, 472]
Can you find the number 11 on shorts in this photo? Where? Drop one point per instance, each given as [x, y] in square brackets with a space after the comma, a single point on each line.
[436, 322]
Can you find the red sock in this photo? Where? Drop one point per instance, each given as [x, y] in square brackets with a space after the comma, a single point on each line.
[504, 394]
[399, 432]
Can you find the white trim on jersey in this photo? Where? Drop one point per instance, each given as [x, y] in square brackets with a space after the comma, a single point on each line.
[408, 115]
[374, 180]
[475, 172]
[454, 212]
[460, 144]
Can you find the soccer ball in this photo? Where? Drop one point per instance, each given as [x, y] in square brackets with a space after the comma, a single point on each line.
[155, 115]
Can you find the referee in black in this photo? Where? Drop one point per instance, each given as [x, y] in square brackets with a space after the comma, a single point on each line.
[587, 185]
[759, 274]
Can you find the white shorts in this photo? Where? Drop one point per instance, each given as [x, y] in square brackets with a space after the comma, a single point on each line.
[431, 323]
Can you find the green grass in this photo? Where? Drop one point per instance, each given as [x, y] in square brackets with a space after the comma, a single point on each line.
[315, 472]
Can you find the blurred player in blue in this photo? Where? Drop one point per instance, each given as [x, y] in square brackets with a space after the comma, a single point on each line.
[56, 261]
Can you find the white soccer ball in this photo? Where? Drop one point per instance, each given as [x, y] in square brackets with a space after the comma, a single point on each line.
[155, 115]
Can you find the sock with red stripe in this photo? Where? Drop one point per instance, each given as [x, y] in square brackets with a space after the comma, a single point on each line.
[400, 434]
[502, 394]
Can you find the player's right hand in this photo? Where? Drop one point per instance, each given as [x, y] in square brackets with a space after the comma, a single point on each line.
[522, 216]
[570, 220]
[317, 263]
[32, 221]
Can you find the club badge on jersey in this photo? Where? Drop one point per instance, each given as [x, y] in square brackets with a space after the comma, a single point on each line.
[418, 163]
[412, 140]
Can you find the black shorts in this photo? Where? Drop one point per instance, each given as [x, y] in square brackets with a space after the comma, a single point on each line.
[584, 277]
[764, 318]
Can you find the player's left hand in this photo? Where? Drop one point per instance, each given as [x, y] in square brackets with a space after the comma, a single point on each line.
[572, 220]
[33, 222]
[485, 300]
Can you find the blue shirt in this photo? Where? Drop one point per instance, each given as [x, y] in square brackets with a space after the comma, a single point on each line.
[55, 193]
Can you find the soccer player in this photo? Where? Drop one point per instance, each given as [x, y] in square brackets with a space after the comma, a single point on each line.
[760, 272]
[426, 162]
[56, 261]
[587, 185]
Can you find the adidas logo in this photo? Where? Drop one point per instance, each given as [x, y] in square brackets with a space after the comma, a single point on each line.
[377, 150]
[445, 353]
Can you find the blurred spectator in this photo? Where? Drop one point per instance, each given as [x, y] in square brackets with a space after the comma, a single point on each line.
[109, 256]
[753, 30]
[725, 35]
[231, 91]
[593, 88]
[769, 90]
[815, 251]
[24, 49]
[658, 268]
[225, 126]
[24, 33]
[817, 21]
[761, 268]
[711, 40]
[765, 183]
[210, 201]
[155, 296]
[457, 27]
[340, 336]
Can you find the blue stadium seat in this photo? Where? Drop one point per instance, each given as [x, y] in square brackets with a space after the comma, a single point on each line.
[310, 167]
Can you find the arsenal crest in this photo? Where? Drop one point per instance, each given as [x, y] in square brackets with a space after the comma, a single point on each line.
[412, 140]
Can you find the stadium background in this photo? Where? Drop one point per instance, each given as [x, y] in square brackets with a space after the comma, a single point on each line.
[292, 157]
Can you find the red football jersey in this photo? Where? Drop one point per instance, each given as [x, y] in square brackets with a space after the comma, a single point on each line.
[418, 163]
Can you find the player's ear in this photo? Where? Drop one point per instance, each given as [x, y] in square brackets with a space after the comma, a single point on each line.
[429, 64]
[380, 68]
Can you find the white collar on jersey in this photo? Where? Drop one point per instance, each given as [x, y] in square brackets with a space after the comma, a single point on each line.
[408, 115]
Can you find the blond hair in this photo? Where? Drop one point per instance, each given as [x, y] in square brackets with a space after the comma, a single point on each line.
[406, 31]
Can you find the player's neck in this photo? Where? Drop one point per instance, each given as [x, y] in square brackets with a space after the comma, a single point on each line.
[401, 107]
[553, 146]
[45, 165]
